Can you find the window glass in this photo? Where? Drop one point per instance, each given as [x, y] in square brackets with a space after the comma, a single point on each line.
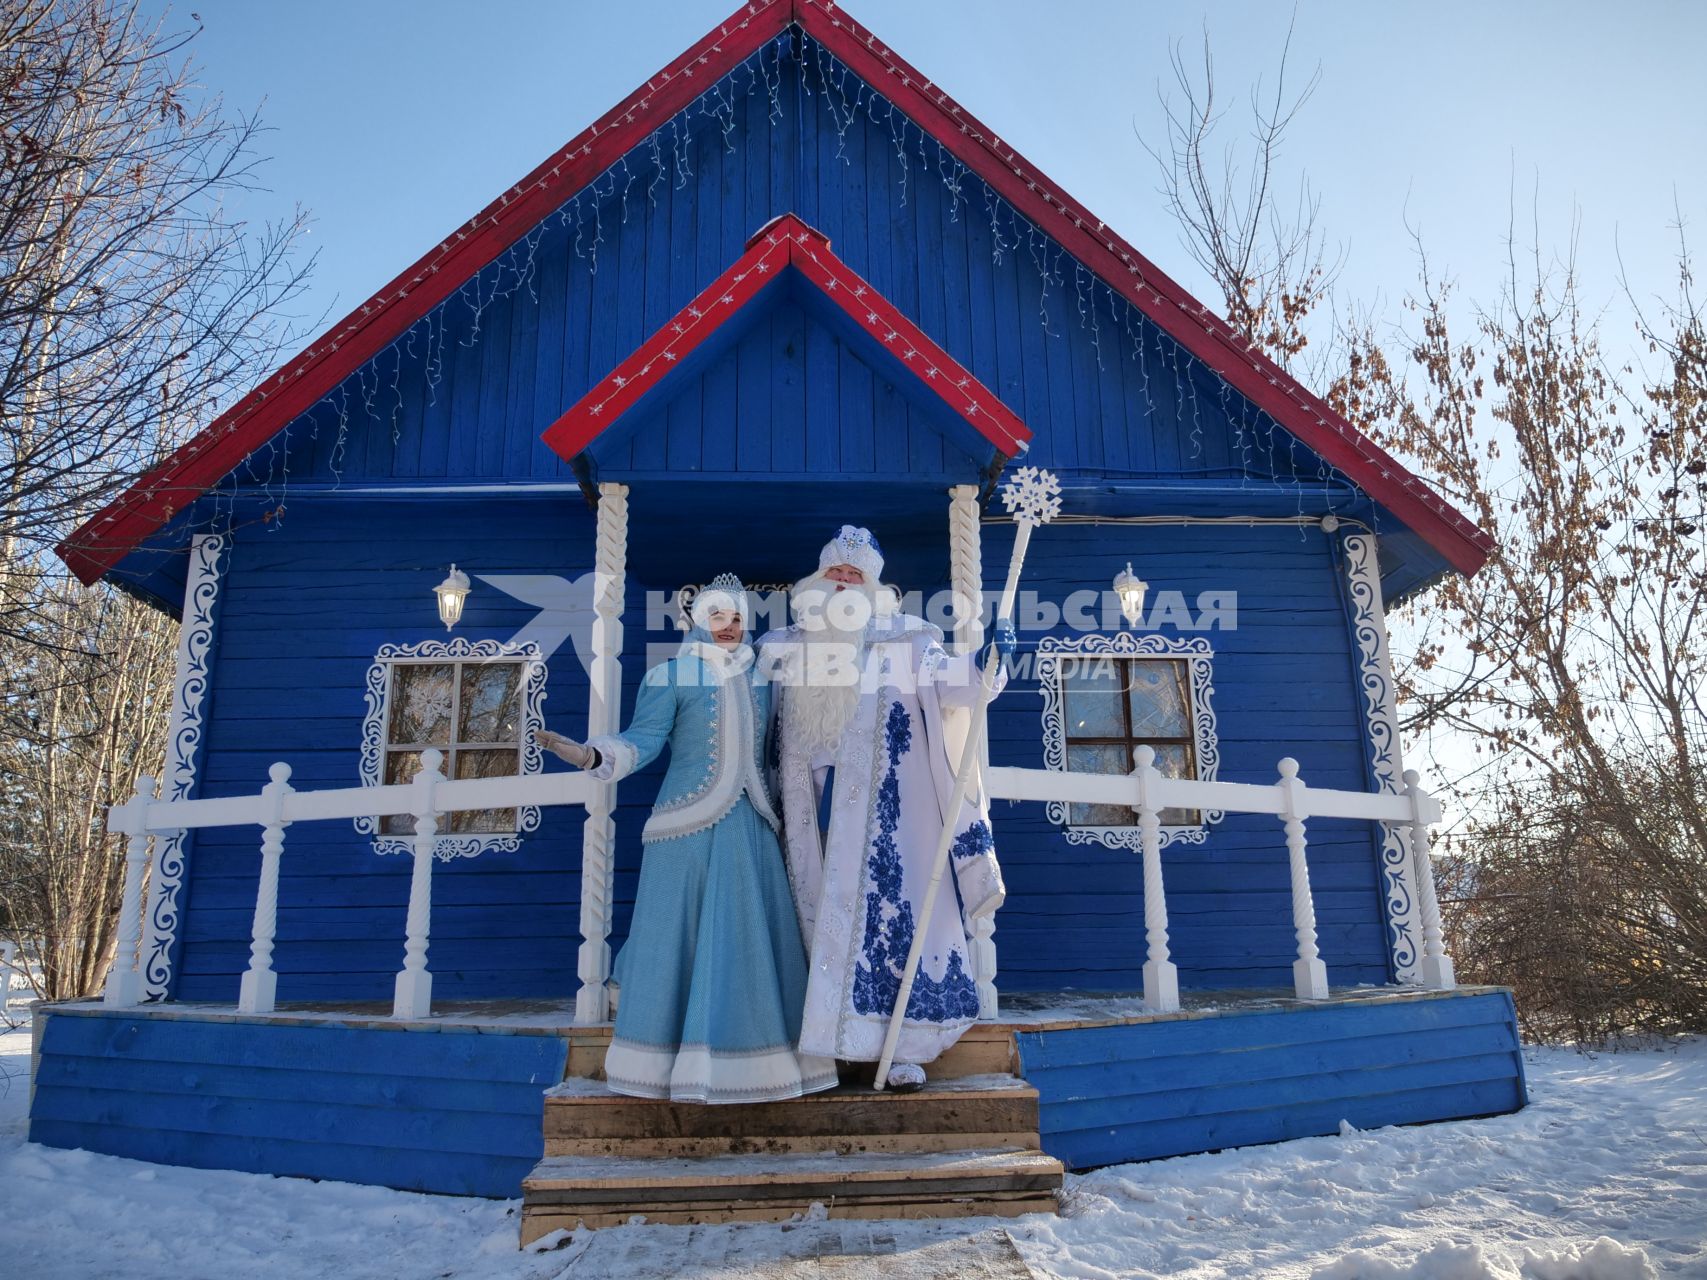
[1114, 705]
[471, 711]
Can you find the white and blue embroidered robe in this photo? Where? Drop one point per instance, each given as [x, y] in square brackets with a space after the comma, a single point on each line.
[712, 976]
[860, 885]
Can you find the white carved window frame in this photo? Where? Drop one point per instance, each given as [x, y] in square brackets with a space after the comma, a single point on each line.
[375, 733]
[1199, 659]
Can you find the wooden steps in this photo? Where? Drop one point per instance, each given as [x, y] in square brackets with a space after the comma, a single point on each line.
[591, 1191]
[962, 1146]
[986, 1048]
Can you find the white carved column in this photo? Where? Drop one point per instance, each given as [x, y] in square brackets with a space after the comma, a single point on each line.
[1381, 714]
[124, 979]
[966, 566]
[604, 711]
[1436, 964]
[1309, 974]
[1161, 975]
[259, 990]
[414, 988]
[183, 743]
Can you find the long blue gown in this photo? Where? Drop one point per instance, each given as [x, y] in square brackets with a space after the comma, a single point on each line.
[713, 976]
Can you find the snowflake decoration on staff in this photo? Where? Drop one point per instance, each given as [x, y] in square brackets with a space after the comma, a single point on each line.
[1033, 496]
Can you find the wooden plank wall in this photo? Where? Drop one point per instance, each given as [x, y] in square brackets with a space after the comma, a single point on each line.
[1203, 1083]
[465, 395]
[305, 607]
[1284, 685]
[307, 603]
[417, 1110]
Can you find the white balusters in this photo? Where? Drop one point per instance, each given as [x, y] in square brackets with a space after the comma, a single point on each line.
[1161, 975]
[1436, 967]
[1309, 974]
[124, 981]
[414, 992]
[260, 984]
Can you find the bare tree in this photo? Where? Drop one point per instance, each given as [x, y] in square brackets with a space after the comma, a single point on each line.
[1263, 251]
[90, 708]
[1570, 670]
[133, 302]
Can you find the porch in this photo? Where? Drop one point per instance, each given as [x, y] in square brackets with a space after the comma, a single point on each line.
[457, 1102]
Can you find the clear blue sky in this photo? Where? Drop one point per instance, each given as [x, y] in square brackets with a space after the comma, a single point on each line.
[394, 121]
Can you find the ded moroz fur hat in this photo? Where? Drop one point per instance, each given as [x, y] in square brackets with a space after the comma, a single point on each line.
[854, 546]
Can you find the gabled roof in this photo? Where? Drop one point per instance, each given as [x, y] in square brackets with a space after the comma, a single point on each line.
[298, 385]
[785, 245]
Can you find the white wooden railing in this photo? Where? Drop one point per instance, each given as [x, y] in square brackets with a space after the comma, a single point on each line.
[429, 796]
[1147, 790]
[426, 798]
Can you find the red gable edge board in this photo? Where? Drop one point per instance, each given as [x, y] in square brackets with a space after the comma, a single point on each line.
[782, 243]
[200, 463]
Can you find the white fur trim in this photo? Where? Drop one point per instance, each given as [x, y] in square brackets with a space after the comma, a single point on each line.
[616, 758]
[695, 1073]
[737, 770]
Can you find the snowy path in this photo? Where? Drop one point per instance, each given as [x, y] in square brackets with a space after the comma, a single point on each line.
[1612, 1146]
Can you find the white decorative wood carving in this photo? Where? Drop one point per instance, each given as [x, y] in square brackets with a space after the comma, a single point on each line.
[966, 559]
[378, 693]
[1199, 658]
[604, 709]
[1375, 679]
[183, 744]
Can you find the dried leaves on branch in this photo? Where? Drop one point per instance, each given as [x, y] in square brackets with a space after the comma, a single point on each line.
[1558, 692]
[134, 301]
[1574, 663]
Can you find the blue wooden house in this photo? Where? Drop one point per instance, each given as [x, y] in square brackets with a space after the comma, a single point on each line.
[787, 284]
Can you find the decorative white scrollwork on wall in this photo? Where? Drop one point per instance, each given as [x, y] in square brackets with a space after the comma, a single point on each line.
[380, 685]
[1053, 653]
[183, 743]
[1375, 680]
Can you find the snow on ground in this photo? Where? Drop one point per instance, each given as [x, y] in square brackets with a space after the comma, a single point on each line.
[1603, 1177]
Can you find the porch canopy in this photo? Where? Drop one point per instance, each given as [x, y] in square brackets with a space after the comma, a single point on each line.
[793, 376]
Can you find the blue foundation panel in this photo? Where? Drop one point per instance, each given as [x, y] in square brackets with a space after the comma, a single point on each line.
[451, 1111]
[1204, 1081]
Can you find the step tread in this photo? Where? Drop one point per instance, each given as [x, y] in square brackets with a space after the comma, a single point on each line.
[581, 1091]
[712, 1172]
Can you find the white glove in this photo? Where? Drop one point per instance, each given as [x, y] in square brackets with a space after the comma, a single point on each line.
[566, 749]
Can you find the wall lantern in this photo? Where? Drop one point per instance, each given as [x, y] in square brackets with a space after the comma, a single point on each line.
[1130, 588]
[451, 593]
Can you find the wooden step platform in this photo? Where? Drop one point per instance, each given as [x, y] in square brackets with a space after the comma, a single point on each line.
[582, 1118]
[985, 1048]
[961, 1146]
[566, 1192]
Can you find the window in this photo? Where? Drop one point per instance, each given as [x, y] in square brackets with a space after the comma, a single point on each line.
[478, 704]
[1105, 696]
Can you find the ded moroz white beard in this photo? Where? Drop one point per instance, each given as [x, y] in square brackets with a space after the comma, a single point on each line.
[822, 701]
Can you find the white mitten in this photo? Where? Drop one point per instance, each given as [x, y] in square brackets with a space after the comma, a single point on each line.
[566, 749]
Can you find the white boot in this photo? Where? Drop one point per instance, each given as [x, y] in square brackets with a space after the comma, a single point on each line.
[906, 1077]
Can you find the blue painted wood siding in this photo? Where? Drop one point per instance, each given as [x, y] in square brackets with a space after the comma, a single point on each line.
[306, 606]
[440, 1110]
[467, 392]
[1203, 1083]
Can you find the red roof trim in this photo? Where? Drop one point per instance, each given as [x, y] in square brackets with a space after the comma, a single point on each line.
[783, 243]
[198, 465]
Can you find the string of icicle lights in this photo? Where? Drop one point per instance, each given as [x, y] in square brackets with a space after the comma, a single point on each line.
[1267, 454]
